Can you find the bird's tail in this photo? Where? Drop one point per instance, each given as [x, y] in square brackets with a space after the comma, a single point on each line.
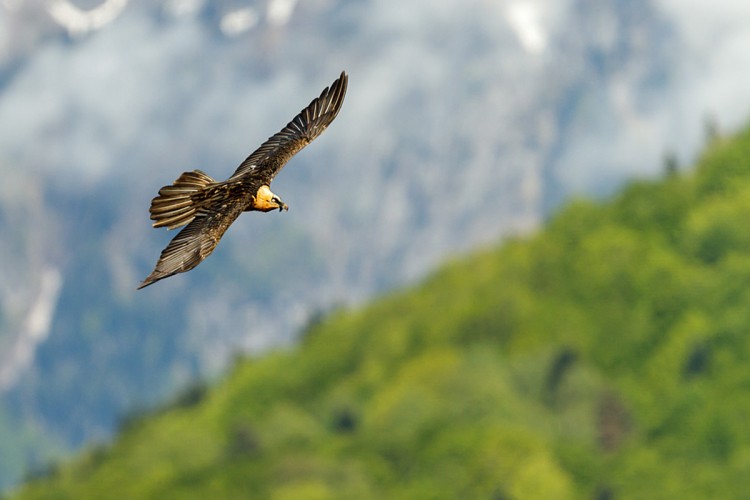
[175, 207]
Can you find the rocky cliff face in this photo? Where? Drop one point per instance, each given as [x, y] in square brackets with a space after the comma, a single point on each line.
[465, 122]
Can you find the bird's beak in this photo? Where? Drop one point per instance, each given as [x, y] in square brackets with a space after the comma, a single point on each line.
[283, 206]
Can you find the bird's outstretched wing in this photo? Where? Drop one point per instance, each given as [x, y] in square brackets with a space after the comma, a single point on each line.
[211, 207]
[266, 161]
[194, 243]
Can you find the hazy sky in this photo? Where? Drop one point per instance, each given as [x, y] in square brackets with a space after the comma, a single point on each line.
[717, 33]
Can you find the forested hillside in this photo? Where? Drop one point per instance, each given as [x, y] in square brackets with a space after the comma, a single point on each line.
[604, 357]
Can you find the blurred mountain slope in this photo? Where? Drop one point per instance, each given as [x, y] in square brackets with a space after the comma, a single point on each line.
[604, 356]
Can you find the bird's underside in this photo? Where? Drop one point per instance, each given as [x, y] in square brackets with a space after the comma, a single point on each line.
[209, 207]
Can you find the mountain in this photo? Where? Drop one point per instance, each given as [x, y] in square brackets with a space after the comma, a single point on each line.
[465, 122]
[603, 357]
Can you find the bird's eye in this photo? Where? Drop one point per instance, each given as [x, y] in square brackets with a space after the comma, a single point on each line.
[276, 200]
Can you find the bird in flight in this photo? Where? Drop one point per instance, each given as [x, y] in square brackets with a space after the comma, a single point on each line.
[209, 207]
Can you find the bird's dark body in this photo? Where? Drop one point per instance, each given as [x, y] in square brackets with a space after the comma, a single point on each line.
[209, 207]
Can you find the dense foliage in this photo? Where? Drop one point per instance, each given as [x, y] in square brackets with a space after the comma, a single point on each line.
[605, 357]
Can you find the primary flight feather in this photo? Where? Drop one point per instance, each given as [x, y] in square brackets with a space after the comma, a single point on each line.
[209, 207]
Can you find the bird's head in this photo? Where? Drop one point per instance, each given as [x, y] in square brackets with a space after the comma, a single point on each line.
[265, 201]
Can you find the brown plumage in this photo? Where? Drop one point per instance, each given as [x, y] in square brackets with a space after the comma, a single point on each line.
[209, 207]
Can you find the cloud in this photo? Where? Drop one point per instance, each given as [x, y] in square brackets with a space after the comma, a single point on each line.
[239, 21]
[524, 17]
[715, 60]
[35, 329]
[81, 21]
[280, 11]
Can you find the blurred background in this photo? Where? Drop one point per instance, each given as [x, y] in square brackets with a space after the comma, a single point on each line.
[466, 122]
